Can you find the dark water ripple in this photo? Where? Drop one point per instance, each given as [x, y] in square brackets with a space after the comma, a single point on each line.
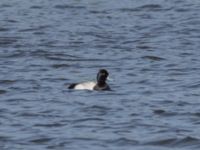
[151, 49]
[184, 142]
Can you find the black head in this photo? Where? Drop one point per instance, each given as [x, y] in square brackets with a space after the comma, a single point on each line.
[102, 76]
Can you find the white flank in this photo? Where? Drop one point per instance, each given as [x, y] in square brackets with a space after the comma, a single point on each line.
[85, 86]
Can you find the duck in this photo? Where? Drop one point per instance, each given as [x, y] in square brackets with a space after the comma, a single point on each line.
[98, 85]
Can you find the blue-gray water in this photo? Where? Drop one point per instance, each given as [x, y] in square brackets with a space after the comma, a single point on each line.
[151, 49]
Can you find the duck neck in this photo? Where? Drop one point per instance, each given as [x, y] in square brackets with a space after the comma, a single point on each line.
[101, 83]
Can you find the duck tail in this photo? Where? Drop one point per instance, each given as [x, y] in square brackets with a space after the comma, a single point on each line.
[72, 86]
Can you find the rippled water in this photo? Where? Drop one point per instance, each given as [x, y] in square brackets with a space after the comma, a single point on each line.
[151, 49]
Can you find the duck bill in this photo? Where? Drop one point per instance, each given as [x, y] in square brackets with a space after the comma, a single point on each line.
[110, 79]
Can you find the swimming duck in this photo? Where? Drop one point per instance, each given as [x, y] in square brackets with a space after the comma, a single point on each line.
[99, 85]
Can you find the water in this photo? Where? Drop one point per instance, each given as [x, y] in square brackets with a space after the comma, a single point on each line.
[149, 47]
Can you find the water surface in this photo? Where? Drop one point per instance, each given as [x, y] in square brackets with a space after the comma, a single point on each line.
[150, 48]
